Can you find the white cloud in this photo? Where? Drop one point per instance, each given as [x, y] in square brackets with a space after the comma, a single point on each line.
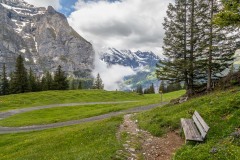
[45, 3]
[126, 24]
[111, 76]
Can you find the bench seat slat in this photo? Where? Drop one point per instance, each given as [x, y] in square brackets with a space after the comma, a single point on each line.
[199, 126]
[190, 130]
[203, 123]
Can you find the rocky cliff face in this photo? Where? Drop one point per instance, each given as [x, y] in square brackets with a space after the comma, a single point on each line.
[44, 37]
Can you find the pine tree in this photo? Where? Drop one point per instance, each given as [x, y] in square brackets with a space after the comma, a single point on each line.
[229, 16]
[39, 86]
[44, 83]
[60, 80]
[5, 83]
[178, 44]
[98, 83]
[32, 81]
[80, 85]
[162, 88]
[193, 45]
[140, 90]
[47, 82]
[221, 46]
[11, 85]
[19, 80]
[151, 89]
[72, 84]
[174, 68]
[178, 86]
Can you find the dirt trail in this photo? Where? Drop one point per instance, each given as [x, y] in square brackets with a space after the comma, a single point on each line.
[5, 130]
[139, 144]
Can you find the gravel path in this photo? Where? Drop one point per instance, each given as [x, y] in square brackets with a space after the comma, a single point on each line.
[5, 130]
[140, 144]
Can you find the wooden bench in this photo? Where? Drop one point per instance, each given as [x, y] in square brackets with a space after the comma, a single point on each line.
[195, 129]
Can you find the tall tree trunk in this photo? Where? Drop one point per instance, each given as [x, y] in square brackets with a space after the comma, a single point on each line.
[185, 46]
[209, 82]
[191, 60]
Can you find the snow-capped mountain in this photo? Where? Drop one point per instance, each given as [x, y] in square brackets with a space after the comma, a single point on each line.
[128, 58]
[143, 64]
[44, 37]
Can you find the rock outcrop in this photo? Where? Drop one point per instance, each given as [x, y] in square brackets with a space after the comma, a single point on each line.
[44, 37]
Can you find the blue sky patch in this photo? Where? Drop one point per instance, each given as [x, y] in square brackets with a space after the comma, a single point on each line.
[68, 5]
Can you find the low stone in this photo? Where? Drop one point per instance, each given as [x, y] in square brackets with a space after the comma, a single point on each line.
[132, 150]
[125, 145]
[213, 150]
[235, 134]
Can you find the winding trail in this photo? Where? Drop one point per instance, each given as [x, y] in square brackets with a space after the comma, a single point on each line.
[6, 130]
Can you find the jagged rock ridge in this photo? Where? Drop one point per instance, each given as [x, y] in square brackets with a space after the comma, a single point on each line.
[129, 58]
[44, 37]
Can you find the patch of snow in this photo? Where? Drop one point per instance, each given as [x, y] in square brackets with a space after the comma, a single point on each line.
[41, 12]
[16, 9]
[36, 44]
[6, 6]
[23, 50]
[14, 20]
[56, 59]
[26, 59]
[18, 30]
[35, 60]
[20, 26]
[25, 11]
[26, 37]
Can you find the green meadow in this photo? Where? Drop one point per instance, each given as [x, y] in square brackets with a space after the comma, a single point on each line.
[86, 141]
[94, 140]
[26, 100]
[221, 111]
[60, 114]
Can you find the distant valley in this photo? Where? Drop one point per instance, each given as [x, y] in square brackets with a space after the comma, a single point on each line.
[143, 64]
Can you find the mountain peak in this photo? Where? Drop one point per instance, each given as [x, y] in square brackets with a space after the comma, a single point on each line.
[45, 39]
[129, 58]
[50, 9]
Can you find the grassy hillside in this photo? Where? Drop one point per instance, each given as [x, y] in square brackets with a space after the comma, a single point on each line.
[61, 114]
[221, 111]
[60, 97]
[95, 141]
[73, 96]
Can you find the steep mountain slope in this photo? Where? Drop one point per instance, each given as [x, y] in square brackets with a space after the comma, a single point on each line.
[44, 37]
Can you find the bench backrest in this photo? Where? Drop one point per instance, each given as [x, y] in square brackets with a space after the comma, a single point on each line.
[201, 124]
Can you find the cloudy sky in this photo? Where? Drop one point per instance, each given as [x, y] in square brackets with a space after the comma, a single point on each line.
[122, 24]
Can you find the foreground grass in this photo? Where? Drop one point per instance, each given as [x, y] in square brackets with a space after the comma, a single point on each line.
[95, 141]
[73, 96]
[61, 114]
[221, 111]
